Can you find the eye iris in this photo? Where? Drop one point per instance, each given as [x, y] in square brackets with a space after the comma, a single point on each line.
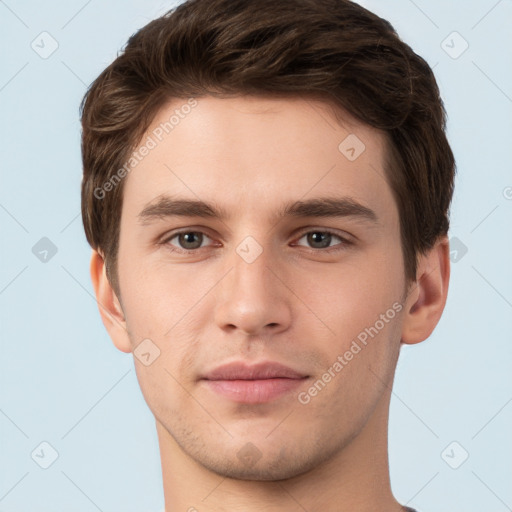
[187, 240]
[317, 237]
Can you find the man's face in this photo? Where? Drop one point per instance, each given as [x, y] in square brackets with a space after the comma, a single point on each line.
[256, 287]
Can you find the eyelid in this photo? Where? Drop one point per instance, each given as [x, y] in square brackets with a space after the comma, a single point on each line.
[173, 234]
[346, 239]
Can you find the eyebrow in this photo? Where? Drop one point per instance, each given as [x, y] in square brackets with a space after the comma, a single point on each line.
[336, 207]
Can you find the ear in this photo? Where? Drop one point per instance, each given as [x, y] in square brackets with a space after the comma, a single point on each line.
[427, 295]
[109, 305]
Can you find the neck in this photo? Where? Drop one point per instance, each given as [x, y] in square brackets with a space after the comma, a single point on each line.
[356, 478]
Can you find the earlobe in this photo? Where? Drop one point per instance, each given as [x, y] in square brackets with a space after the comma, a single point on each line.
[109, 305]
[427, 296]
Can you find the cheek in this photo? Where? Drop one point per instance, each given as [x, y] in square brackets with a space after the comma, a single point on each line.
[160, 306]
[350, 296]
[361, 305]
[155, 295]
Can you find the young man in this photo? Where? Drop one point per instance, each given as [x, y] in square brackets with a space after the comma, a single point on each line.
[266, 190]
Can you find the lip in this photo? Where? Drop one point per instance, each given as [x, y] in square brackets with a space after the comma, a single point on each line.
[252, 384]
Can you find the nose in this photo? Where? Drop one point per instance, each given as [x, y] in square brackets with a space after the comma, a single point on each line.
[253, 298]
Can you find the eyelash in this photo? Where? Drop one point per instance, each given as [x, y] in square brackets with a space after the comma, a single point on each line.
[336, 248]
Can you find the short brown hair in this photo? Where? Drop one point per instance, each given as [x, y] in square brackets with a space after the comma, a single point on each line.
[334, 49]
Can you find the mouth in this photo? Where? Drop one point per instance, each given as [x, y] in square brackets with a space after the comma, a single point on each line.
[253, 384]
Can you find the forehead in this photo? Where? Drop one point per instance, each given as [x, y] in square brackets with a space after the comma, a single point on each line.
[253, 152]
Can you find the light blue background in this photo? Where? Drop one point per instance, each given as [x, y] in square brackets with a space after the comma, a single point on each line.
[63, 382]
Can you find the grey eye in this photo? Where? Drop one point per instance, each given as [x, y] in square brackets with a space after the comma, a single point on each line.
[189, 240]
[320, 239]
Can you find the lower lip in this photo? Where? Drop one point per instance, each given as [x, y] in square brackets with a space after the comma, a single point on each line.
[254, 391]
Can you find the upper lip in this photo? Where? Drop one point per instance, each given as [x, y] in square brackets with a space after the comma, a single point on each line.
[243, 371]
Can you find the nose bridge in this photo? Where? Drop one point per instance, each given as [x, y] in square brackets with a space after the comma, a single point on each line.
[250, 265]
[251, 298]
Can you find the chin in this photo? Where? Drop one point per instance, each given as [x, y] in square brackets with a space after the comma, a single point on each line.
[265, 470]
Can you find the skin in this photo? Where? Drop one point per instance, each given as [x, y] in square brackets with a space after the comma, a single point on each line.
[297, 304]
